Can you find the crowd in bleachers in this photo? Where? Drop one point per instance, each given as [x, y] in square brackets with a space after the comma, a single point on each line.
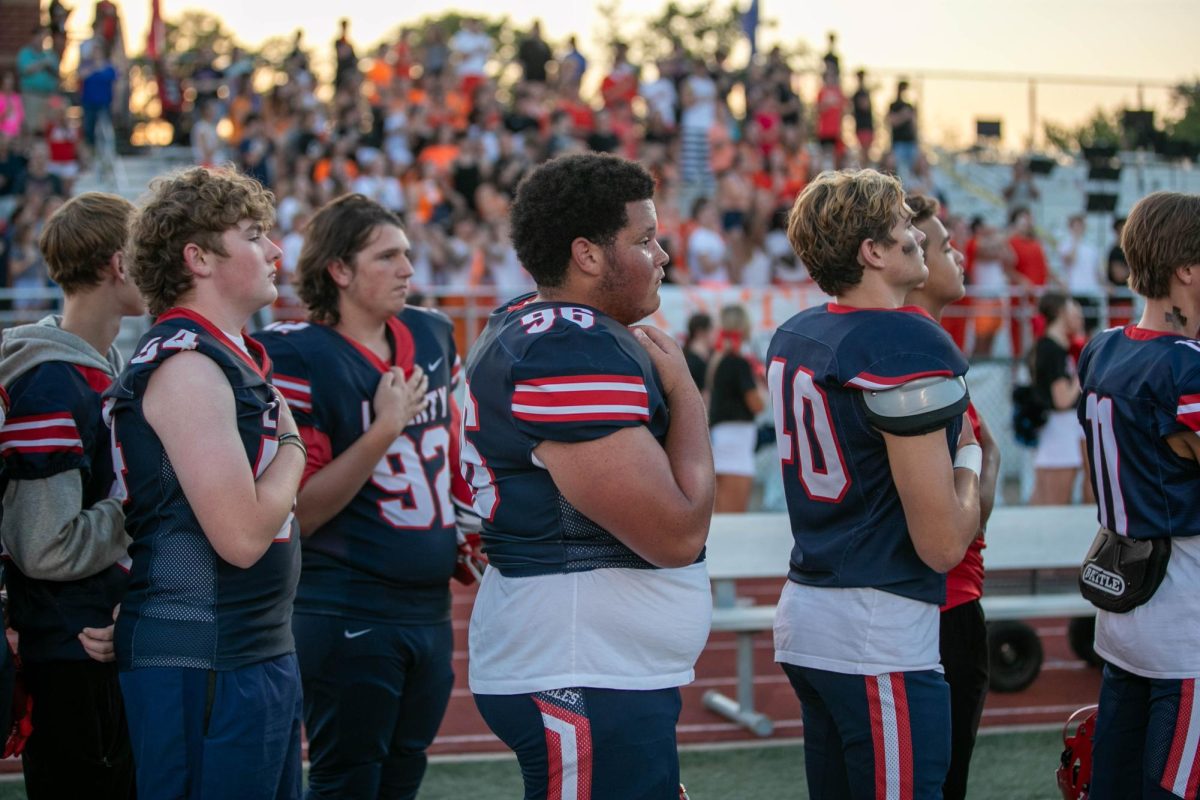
[48, 126]
[426, 131]
[424, 125]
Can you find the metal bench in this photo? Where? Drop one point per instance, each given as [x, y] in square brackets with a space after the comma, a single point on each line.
[745, 546]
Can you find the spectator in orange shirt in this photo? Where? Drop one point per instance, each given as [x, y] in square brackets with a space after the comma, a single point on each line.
[831, 106]
[442, 153]
[380, 75]
[336, 167]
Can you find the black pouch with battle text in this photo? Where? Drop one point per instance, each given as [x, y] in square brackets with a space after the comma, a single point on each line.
[1120, 573]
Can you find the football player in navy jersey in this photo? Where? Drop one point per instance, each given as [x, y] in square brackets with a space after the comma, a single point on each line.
[1140, 411]
[963, 632]
[209, 460]
[64, 537]
[882, 485]
[370, 383]
[586, 444]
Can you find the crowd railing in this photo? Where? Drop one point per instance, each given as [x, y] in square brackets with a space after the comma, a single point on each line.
[1006, 316]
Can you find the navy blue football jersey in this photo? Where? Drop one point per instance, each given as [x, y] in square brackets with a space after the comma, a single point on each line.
[547, 371]
[1139, 387]
[55, 425]
[186, 606]
[846, 516]
[389, 554]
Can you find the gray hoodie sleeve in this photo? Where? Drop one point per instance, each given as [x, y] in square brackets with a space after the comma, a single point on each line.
[49, 539]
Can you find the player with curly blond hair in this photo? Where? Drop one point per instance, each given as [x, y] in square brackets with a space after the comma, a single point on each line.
[209, 461]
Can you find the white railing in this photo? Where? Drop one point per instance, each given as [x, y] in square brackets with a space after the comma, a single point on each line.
[768, 308]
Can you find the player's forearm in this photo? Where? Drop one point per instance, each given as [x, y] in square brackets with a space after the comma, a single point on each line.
[240, 533]
[942, 531]
[942, 516]
[331, 488]
[276, 488]
[965, 516]
[50, 537]
[988, 479]
[690, 455]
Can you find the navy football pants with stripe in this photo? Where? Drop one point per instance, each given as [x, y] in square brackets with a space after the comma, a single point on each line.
[874, 737]
[590, 744]
[1147, 738]
[209, 735]
[374, 696]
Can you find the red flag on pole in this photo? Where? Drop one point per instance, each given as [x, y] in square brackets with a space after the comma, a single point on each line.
[155, 39]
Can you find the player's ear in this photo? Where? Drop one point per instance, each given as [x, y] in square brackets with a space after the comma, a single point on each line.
[587, 254]
[116, 267]
[196, 259]
[870, 253]
[1188, 274]
[340, 272]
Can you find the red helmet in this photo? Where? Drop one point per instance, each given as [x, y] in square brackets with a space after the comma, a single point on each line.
[1075, 769]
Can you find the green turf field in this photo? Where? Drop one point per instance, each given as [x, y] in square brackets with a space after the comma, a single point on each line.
[1010, 766]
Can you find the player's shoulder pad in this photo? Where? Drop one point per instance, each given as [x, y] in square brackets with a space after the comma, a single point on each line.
[918, 406]
[1083, 364]
[575, 341]
[290, 344]
[47, 423]
[897, 348]
[43, 376]
[1190, 348]
[579, 325]
[910, 371]
[432, 321]
[47, 387]
[432, 315]
[1185, 366]
[283, 327]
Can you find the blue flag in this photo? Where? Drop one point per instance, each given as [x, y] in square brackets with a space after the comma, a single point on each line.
[750, 25]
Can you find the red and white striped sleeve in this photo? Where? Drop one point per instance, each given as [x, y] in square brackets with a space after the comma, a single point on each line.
[1187, 412]
[40, 433]
[572, 399]
[296, 391]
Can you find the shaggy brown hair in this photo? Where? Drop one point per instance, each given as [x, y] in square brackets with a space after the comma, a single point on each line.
[196, 206]
[81, 237]
[1161, 234]
[834, 215]
[923, 207]
[339, 231]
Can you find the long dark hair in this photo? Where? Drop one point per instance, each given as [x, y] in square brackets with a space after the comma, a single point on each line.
[339, 231]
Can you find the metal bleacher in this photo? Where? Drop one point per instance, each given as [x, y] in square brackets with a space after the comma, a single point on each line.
[133, 173]
[976, 187]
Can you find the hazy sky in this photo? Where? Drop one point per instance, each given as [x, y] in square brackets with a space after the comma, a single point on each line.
[1153, 40]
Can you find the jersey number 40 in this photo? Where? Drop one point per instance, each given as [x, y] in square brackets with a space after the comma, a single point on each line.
[804, 431]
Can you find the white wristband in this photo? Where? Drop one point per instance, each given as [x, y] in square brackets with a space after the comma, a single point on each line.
[969, 456]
